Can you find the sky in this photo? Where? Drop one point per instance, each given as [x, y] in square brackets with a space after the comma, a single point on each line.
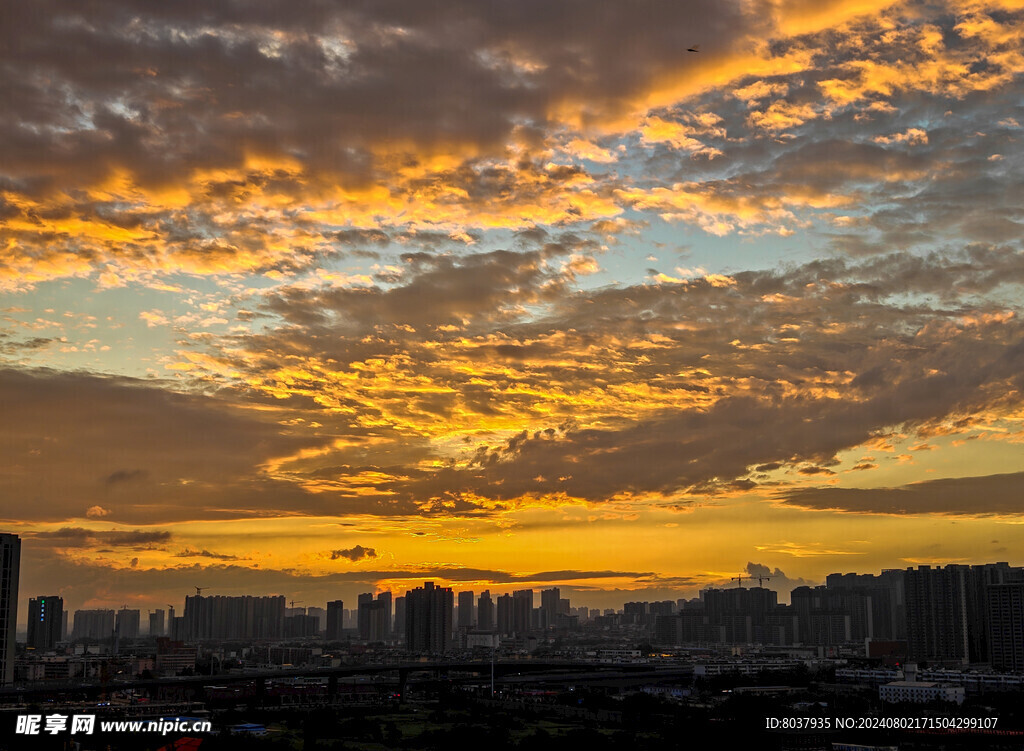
[631, 297]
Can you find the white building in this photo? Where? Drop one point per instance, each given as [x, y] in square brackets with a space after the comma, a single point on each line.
[920, 691]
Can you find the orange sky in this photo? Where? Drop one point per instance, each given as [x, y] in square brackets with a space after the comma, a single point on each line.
[321, 300]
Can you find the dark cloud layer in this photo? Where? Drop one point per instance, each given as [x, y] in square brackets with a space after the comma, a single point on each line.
[68, 436]
[988, 495]
[666, 389]
[78, 537]
[822, 356]
[356, 553]
[161, 90]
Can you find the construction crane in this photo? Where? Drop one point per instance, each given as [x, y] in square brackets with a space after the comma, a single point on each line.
[739, 579]
[199, 590]
[762, 579]
[292, 603]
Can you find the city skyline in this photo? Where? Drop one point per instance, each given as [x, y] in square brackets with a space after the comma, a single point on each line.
[536, 600]
[322, 301]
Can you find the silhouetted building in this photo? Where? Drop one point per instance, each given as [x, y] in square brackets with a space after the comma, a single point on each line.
[880, 612]
[485, 612]
[821, 618]
[549, 606]
[10, 567]
[373, 622]
[1006, 626]
[428, 618]
[220, 617]
[399, 628]
[385, 598]
[321, 617]
[93, 624]
[466, 619]
[738, 615]
[301, 626]
[335, 620]
[45, 621]
[522, 611]
[156, 623]
[126, 625]
[948, 610]
[504, 615]
[363, 614]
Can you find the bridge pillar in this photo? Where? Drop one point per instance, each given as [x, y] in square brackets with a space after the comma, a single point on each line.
[403, 682]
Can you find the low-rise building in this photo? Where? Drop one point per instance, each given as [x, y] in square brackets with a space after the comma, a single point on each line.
[920, 692]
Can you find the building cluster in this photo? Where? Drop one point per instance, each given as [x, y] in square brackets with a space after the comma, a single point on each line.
[957, 614]
[950, 615]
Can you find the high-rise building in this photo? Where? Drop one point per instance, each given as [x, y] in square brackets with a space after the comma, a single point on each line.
[1006, 626]
[156, 623]
[301, 626]
[428, 618]
[875, 603]
[363, 614]
[10, 567]
[385, 597]
[466, 619]
[399, 629]
[503, 618]
[45, 621]
[335, 620]
[127, 624]
[738, 615]
[222, 617]
[821, 618]
[522, 611]
[948, 610]
[321, 617]
[373, 620]
[485, 612]
[549, 606]
[93, 624]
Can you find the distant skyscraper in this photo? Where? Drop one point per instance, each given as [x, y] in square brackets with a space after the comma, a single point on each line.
[45, 622]
[373, 620]
[385, 597]
[10, 567]
[127, 624]
[223, 617]
[363, 614]
[335, 620]
[400, 616]
[466, 619]
[503, 618]
[321, 617]
[156, 623]
[485, 612]
[549, 606]
[428, 618]
[93, 624]
[522, 611]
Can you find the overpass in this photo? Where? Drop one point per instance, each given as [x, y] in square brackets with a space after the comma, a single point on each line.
[503, 671]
